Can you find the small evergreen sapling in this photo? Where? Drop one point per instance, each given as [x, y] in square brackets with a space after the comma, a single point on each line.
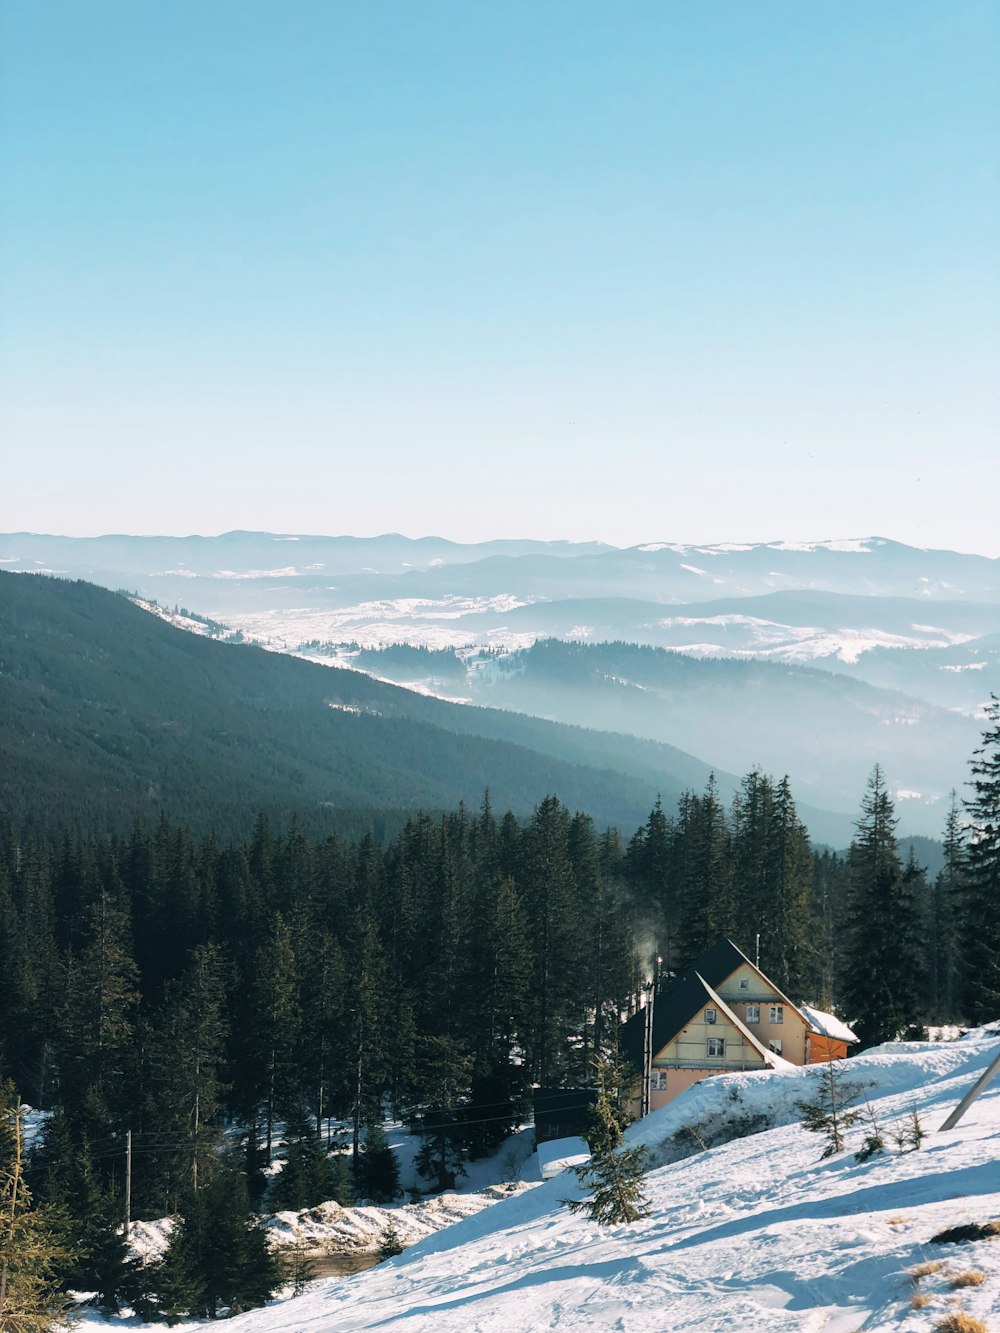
[873, 1142]
[909, 1136]
[390, 1241]
[828, 1113]
[298, 1268]
[614, 1173]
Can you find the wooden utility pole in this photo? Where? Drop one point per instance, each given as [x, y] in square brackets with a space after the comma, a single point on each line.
[978, 1087]
[128, 1181]
[647, 1053]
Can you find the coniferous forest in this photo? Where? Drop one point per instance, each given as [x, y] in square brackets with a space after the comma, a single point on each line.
[177, 998]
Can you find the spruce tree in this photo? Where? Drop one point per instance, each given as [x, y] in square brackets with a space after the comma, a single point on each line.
[390, 1243]
[884, 959]
[613, 1176]
[828, 1112]
[306, 1178]
[444, 1071]
[218, 1258]
[556, 932]
[943, 927]
[981, 897]
[703, 861]
[378, 1169]
[33, 1257]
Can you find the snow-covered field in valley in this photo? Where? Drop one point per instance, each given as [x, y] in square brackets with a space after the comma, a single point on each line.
[758, 1235]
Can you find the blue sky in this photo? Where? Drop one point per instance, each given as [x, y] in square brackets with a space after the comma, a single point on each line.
[633, 272]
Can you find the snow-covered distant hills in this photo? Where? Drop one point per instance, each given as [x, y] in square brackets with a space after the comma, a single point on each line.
[917, 623]
[757, 1234]
[844, 605]
[249, 569]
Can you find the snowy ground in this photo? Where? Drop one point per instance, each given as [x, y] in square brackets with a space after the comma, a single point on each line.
[329, 1229]
[755, 1236]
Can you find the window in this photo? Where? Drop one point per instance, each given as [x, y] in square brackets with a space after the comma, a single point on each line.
[774, 1045]
[744, 983]
[710, 1015]
[716, 1047]
[659, 1080]
[777, 1013]
[753, 1013]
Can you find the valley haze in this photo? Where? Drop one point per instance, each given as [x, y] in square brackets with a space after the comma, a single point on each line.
[816, 659]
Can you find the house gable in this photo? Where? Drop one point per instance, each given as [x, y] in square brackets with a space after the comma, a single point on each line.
[680, 1032]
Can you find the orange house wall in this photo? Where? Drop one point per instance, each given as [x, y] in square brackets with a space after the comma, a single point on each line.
[821, 1049]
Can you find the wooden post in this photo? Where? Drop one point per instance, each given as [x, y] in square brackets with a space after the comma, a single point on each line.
[978, 1087]
[128, 1181]
[647, 1054]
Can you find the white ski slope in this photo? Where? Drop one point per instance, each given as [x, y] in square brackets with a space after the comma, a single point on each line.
[755, 1236]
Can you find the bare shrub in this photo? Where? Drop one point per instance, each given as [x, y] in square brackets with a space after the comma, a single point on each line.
[960, 1322]
[972, 1277]
[926, 1269]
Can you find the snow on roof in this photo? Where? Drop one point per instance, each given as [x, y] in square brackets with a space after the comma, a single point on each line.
[558, 1155]
[827, 1025]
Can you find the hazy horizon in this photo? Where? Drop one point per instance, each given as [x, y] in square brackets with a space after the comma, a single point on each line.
[286, 534]
[589, 274]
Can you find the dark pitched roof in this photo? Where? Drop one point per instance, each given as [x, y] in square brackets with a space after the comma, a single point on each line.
[681, 1000]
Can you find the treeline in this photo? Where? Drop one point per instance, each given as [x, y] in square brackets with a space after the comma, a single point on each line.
[867, 934]
[173, 993]
[159, 984]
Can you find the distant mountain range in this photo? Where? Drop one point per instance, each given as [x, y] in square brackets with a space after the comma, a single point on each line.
[107, 711]
[906, 641]
[395, 567]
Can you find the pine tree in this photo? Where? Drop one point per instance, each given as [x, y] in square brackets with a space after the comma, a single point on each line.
[378, 1169]
[33, 1258]
[444, 1071]
[882, 975]
[218, 1257]
[829, 1113]
[614, 1174]
[390, 1242]
[946, 906]
[306, 1178]
[981, 898]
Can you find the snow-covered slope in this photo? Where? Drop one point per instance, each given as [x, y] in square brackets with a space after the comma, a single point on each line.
[755, 1236]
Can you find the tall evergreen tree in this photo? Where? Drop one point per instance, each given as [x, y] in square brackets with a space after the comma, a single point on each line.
[981, 897]
[98, 1022]
[703, 866]
[942, 932]
[883, 967]
[556, 931]
[218, 1257]
[32, 1255]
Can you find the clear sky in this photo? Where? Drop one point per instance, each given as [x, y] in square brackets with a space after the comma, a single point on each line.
[639, 271]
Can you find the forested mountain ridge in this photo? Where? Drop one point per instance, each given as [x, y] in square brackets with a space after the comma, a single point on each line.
[107, 710]
[825, 729]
